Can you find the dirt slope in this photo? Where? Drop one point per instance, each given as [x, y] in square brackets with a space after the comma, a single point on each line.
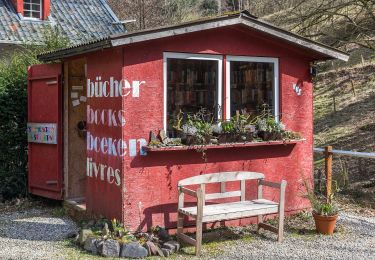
[344, 104]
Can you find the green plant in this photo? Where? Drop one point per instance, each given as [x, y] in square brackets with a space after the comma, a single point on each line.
[199, 125]
[155, 143]
[320, 205]
[325, 208]
[228, 127]
[13, 112]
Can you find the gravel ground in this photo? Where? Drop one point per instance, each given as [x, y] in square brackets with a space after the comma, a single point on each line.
[356, 240]
[33, 234]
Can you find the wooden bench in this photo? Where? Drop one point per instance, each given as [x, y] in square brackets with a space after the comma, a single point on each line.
[226, 211]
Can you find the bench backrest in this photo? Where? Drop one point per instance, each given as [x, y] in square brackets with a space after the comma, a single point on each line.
[221, 177]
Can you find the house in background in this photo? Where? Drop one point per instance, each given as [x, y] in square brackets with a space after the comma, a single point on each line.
[25, 21]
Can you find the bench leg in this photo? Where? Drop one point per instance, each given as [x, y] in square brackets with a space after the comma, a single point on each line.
[198, 238]
[280, 234]
[180, 224]
[260, 220]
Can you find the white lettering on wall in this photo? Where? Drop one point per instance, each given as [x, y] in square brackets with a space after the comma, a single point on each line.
[106, 117]
[103, 172]
[110, 146]
[113, 88]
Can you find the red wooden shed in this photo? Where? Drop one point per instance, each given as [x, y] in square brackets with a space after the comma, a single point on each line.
[90, 114]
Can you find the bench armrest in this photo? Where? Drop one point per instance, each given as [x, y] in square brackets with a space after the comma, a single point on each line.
[281, 186]
[273, 184]
[188, 192]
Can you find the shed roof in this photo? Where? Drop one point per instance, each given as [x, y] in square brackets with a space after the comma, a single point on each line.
[239, 18]
[79, 20]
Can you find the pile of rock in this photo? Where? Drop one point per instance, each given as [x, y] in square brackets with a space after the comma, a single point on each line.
[140, 245]
[159, 243]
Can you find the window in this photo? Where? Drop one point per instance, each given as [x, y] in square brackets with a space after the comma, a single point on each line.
[191, 82]
[194, 81]
[32, 9]
[251, 83]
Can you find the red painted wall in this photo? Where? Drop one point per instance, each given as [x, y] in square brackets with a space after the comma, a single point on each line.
[103, 194]
[151, 181]
[46, 9]
[148, 189]
[18, 5]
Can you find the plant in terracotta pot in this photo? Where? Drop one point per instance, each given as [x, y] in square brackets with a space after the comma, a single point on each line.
[324, 210]
[325, 214]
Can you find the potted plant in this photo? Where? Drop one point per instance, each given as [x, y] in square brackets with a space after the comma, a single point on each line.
[189, 134]
[324, 210]
[227, 134]
[325, 214]
[262, 128]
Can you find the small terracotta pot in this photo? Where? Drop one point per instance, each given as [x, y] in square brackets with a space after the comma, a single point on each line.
[325, 224]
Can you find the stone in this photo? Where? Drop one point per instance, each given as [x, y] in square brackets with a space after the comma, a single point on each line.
[162, 135]
[91, 245]
[83, 235]
[163, 234]
[172, 245]
[110, 248]
[105, 230]
[153, 137]
[133, 250]
[214, 141]
[148, 248]
[72, 234]
[166, 252]
[153, 249]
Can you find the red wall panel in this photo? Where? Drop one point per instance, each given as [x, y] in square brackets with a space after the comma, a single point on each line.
[104, 194]
[147, 195]
[150, 196]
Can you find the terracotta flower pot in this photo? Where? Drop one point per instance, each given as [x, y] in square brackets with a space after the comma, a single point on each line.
[325, 224]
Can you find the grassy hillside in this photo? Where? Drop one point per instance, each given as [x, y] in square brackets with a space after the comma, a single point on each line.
[344, 103]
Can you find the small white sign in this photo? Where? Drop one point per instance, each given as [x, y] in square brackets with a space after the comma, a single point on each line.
[76, 103]
[77, 88]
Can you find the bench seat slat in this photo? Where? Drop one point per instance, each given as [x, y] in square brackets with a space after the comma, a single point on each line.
[233, 210]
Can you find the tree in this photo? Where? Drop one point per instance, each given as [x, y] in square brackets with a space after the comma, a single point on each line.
[337, 22]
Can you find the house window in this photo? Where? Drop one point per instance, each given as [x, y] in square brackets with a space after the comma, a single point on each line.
[251, 84]
[192, 82]
[32, 9]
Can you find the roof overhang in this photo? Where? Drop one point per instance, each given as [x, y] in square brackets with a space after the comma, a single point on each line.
[240, 19]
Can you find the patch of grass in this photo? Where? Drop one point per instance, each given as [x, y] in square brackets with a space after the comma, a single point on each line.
[248, 238]
[369, 127]
[59, 212]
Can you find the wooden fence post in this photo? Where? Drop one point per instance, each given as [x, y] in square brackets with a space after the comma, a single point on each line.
[328, 165]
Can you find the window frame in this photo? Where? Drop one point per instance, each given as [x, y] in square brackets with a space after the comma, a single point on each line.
[193, 56]
[276, 86]
[31, 11]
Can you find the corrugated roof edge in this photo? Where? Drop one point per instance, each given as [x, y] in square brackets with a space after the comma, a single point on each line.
[85, 47]
[127, 38]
